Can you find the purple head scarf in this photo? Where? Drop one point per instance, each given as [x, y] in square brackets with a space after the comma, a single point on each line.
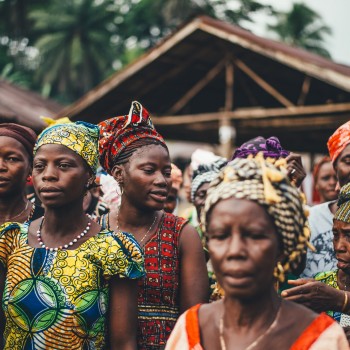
[270, 147]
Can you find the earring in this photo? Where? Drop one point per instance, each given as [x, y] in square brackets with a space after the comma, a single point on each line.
[279, 272]
[120, 190]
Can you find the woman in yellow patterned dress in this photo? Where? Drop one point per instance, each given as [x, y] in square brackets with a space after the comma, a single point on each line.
[61, 274]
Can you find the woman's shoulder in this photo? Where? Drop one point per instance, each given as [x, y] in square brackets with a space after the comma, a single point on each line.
[322, 333]
[121, 254]
[9, 228]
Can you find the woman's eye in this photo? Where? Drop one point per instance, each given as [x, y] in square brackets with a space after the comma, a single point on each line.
[148, 171]
[64, 165]
[13, 159]
[38, 166]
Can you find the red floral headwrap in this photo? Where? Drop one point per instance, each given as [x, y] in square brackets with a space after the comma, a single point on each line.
[117, 134]
[338, 141]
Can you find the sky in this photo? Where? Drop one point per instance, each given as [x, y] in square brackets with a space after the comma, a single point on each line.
[335, 14]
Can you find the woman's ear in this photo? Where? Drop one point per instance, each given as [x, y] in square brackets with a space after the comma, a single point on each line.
[117, 173]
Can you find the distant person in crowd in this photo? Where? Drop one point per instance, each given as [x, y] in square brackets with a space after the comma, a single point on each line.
[201, 179]
[255, 224]
[324, 182]
[321, 216]
[67, 281]
[176, 181]
[332, 295]
[198, 157]
[136, 155]
[16, 158]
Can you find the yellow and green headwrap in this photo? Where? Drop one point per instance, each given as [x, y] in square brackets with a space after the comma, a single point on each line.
[80, 137]
[343, 211]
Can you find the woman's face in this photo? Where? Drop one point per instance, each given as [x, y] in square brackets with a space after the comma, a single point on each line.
[146, 178]
[341, 243]
[14, 166]
[243, 247]
[60, 176]
[199, 198]
[326, 182]
[342, 166]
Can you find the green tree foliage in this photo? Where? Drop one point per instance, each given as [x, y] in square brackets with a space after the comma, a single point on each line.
[302, 27]
[63, 48]
[74, 44]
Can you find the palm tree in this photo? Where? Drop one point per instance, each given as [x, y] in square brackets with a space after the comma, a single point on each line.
[302, 27]
[74, 43]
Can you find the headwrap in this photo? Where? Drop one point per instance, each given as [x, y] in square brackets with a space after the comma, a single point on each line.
[343, 211]
[267, 184]
[202, 156]
[176, 176]
[270, 147]
[338, 141]
[205, 173]
[117, 134]
[80, 137]
[22, 134]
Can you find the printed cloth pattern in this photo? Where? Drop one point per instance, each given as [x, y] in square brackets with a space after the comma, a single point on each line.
[80, 137]
[116, 134]
[331, 279]
[59, 300]
[158, 299]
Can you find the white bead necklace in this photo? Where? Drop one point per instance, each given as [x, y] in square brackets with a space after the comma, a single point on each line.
[65, 246]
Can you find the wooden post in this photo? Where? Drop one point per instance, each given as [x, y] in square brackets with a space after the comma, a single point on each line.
[226, 131]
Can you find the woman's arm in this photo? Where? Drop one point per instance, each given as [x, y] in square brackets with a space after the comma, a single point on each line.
[194, 282]
[123, 314]
[2, 315]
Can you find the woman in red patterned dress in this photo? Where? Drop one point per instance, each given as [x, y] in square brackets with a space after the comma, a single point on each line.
[134, 153]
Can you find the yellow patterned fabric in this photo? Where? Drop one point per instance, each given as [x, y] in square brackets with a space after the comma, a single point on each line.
[80, 137]
[59, 300]
[343, 211]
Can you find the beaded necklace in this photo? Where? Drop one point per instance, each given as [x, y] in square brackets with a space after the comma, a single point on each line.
[65, 246]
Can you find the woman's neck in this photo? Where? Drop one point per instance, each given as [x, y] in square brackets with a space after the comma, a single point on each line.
[239, 314]
[130, 216]
[11, 206]
[64, 220]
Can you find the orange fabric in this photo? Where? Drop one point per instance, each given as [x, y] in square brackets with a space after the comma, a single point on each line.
[338, 141]
[312, 332]
[192, 326]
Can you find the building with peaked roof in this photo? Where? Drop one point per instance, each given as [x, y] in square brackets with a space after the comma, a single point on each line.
[211, 78]
[24, 107]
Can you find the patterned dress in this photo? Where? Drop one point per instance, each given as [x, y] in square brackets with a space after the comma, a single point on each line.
[59, 300]
[158, 300]
[331, 279]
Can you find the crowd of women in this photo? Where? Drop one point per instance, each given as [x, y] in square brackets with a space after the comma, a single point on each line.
[138, 276]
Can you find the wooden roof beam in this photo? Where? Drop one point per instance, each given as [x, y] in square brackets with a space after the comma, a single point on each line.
[254, 113]
[263, 83]
[197, 87]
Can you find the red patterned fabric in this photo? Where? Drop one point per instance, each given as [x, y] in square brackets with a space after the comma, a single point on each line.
[158, 299]
[118, 133]
[338, 141]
